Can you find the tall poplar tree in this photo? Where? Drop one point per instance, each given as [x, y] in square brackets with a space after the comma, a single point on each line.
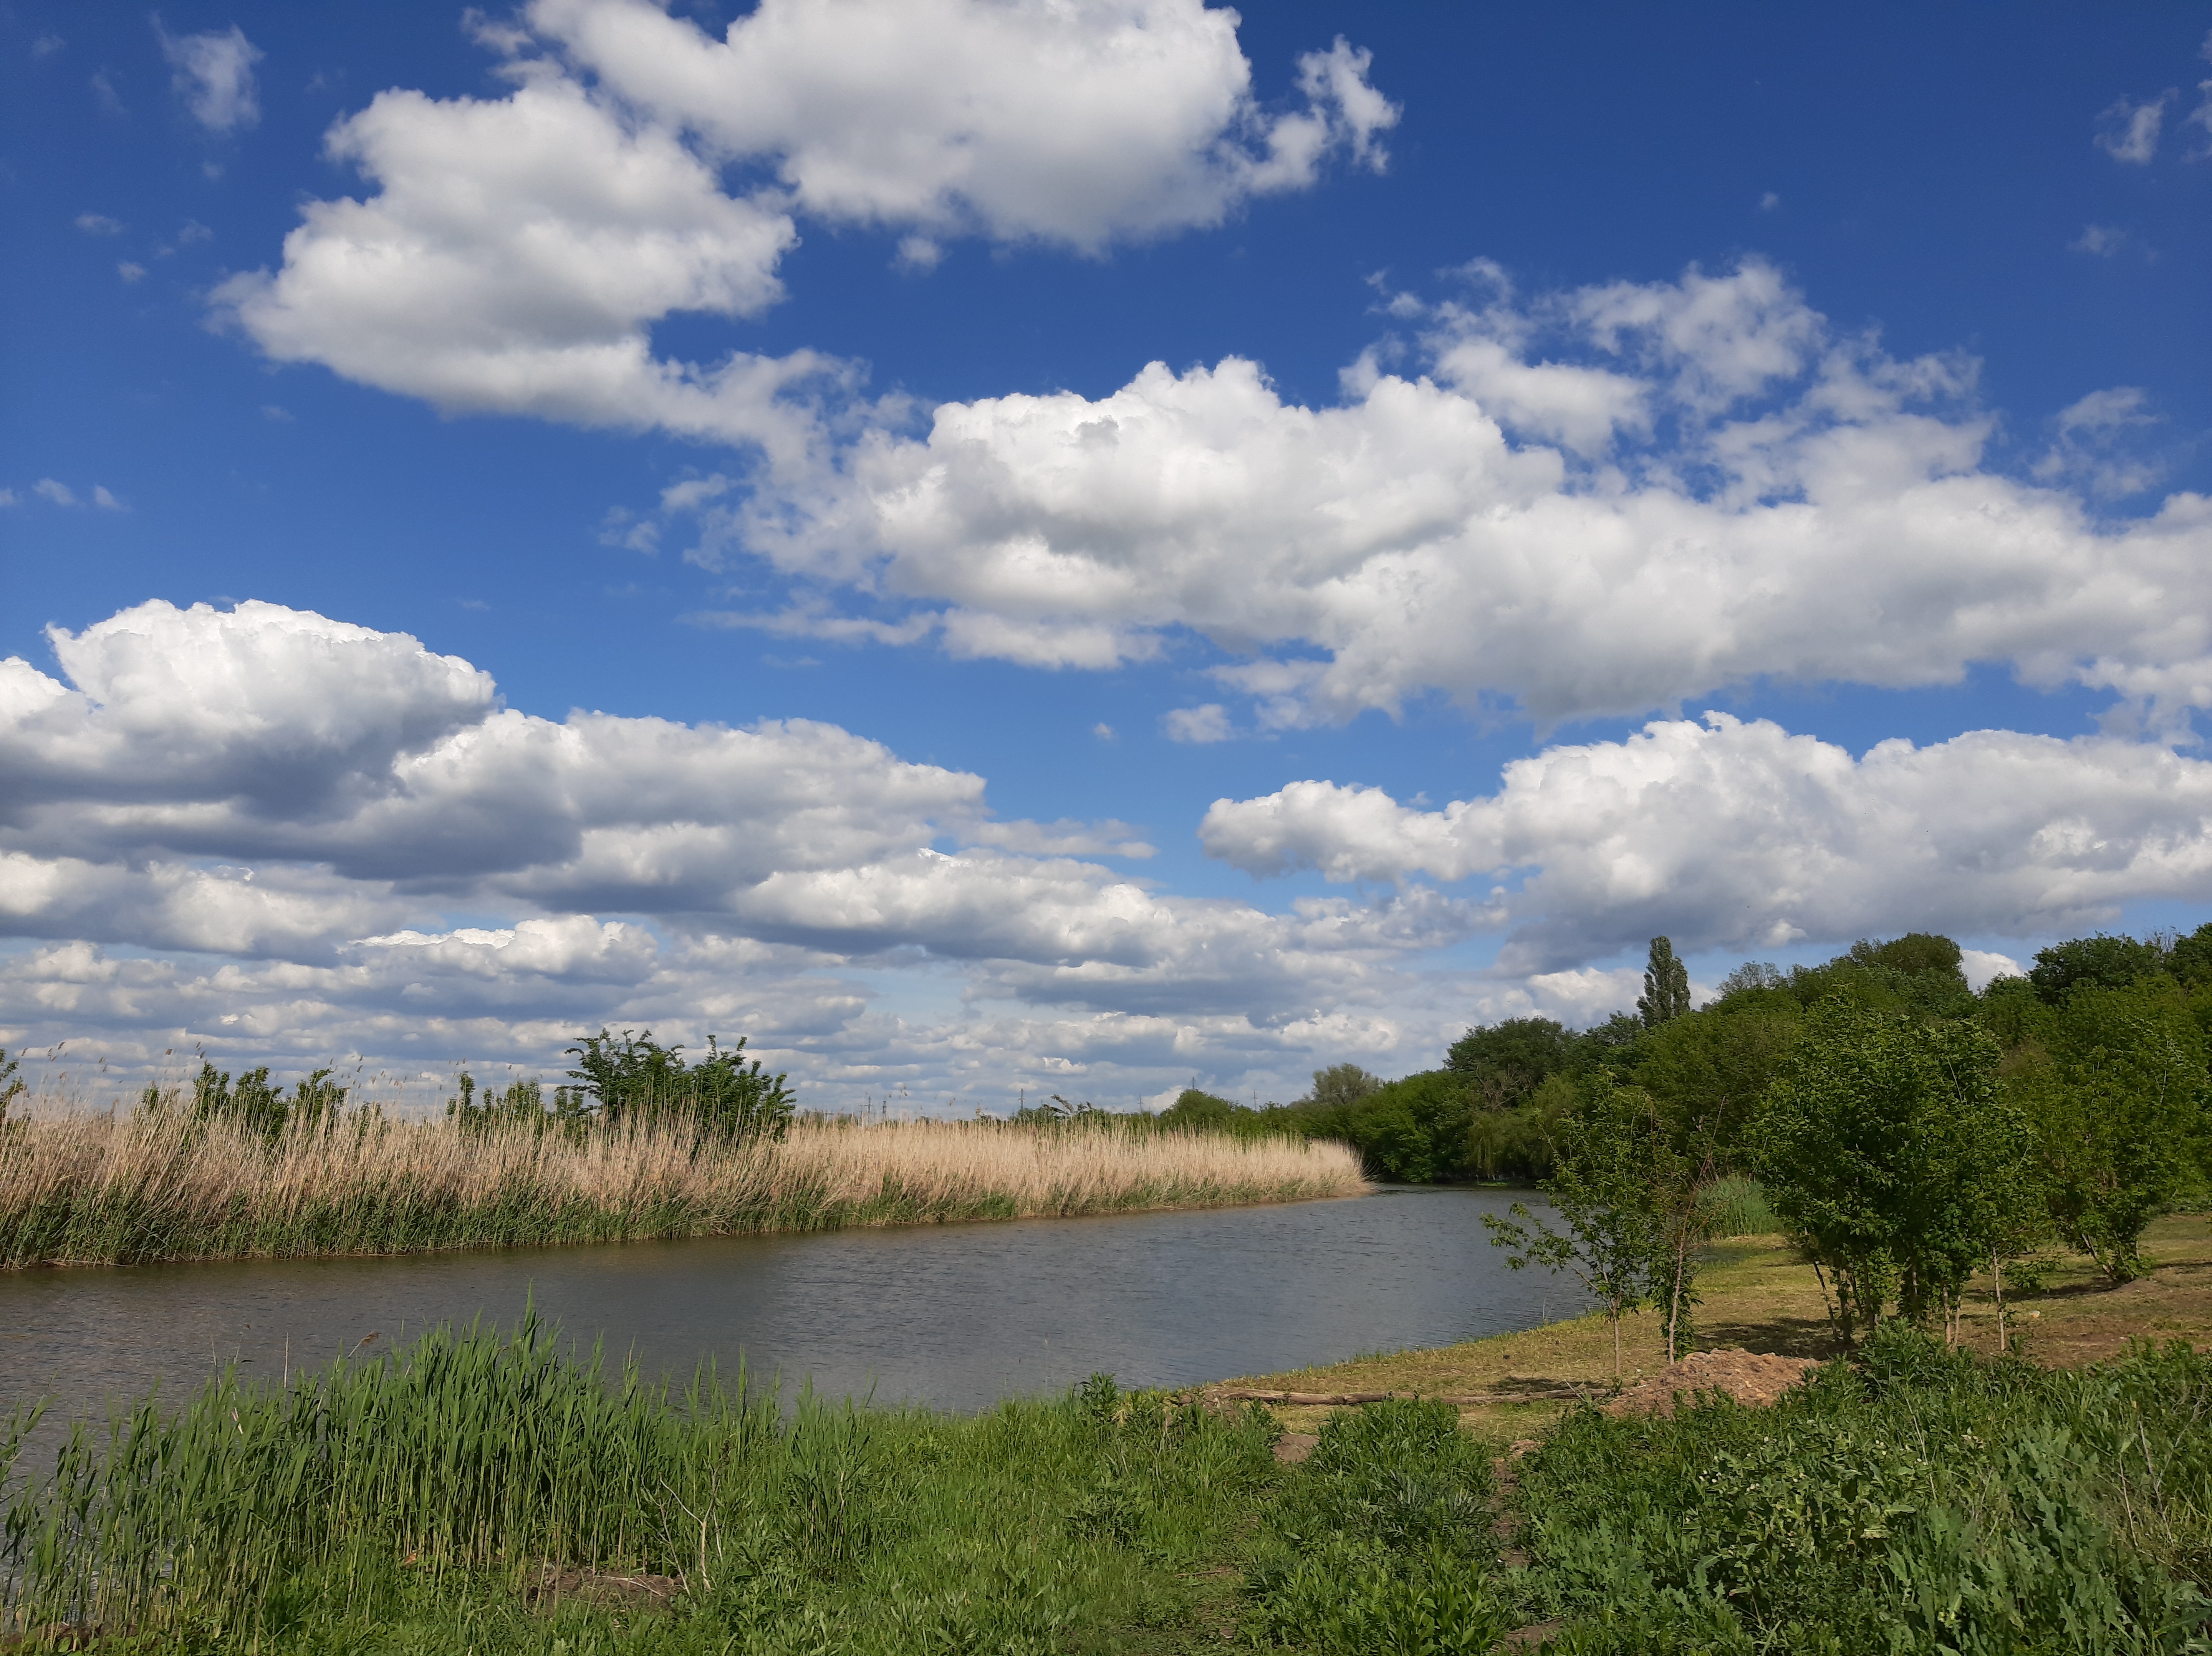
[1666, 986]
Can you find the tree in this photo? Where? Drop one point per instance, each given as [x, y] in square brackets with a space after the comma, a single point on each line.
[632, 1078]
[1886, 1148]
[1506, 1063]
[2098, 962]
[2118, 1106]
[1601, 1187]
[1341, 1084]
[1666, 986]
[1710, 1068]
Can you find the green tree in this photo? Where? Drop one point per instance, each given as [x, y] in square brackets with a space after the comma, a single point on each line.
[1504, 1063]
[1341, 1084]
[1665, 985]
[1887, 1150]
[2098, 962]
[632, 1078]
[1710, 1068]
[2119, 1102]
[1601, 1187]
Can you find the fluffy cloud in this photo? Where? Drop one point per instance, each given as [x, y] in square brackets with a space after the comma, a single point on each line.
[313, 800]
[517, 251]
[1599, 502]
[214, 75]
[1741, 834]
[514, 260]
[1077, 123]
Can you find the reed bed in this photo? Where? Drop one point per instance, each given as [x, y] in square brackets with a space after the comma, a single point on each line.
[87, 1190]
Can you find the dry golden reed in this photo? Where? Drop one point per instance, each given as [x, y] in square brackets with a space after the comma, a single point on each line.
[93, 1189]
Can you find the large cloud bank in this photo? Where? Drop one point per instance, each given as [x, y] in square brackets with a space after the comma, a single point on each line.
[277, 833]
[1598, 502]
[276, 818]
[1740, 835]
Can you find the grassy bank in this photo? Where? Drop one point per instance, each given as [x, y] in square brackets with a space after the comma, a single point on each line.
[485, 1494]
[101, 1191]
[1761, 1295]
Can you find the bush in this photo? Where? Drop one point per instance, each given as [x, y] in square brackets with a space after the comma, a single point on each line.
[1927, 1501]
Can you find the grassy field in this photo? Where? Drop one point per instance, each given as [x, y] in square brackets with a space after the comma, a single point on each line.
[97, 1189]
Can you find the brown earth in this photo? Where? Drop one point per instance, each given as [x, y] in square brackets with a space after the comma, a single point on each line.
[1752, 1378]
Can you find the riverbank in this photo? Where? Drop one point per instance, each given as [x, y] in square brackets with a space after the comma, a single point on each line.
[486, 1494]
[97, 1190]
[1760, 1297]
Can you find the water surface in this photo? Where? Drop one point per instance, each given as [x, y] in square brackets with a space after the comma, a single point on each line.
[952, 1316]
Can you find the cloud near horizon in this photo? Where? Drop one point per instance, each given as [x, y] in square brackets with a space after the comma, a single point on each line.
[262, 825]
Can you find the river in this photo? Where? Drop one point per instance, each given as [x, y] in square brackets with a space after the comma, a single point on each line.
[954, 1316]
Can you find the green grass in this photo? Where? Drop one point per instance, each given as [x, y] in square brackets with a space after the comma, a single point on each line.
[1918, 1500]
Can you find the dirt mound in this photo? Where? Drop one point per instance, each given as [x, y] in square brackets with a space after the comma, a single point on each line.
[1751, 1378]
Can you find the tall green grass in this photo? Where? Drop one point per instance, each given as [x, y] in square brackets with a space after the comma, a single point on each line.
[446, 1482]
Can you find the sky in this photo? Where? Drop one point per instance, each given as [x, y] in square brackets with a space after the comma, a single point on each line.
[1002, 549]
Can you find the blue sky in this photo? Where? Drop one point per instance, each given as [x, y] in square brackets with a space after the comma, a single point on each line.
[1527, 376]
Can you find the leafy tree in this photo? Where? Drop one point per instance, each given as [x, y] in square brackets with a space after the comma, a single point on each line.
[1600, 1188]
[632, 1078]
[1666, 986]
[1413, 1130]
[1203, 1110]
[2118, 1101]
[1710, 1068]
[2190, 959]
[1504, 1063]
[1886, 1148]
[2098, 962]
[1341, 1084]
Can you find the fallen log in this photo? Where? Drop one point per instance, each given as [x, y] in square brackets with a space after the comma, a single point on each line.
[1340, 1399]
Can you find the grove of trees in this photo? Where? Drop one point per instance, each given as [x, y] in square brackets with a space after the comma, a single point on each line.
[1909, 1133]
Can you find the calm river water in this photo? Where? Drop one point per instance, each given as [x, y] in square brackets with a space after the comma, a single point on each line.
[954, 1316]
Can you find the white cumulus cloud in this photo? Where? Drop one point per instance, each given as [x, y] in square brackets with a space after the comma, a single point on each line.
[514, 253]
[1741, 834]
[1599, 502]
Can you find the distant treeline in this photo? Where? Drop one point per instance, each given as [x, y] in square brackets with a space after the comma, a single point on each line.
[1492, 1111]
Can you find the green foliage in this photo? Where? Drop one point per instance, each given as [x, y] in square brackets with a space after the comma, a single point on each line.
[11, 1084]
[2098, 962]
[1666, 986]
[1342, 1085]
[1927, 1502]
[2117, 1090]
[414, 1503]
[1712, 1067]
[253, 1103]
[1380, 1542]
[1602, 1188]
[633, 1077]
[1886, 1148]
[1505, 1064]
[520, 1104]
